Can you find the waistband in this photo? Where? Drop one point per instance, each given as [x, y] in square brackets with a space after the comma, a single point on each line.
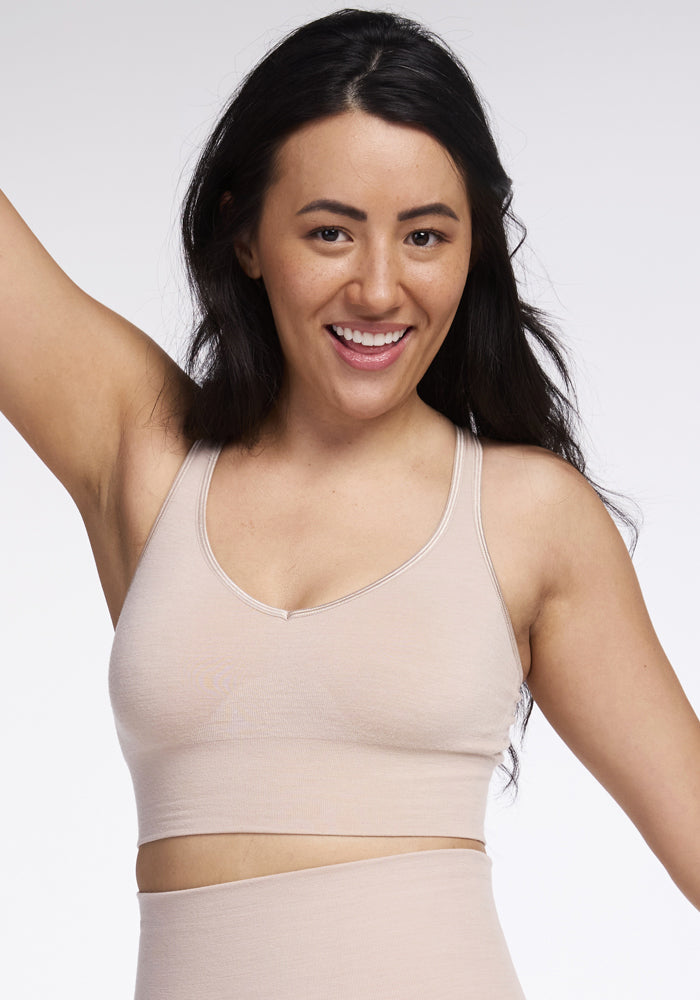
[414, 925]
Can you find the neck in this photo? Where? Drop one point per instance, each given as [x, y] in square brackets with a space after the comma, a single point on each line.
[300, 434]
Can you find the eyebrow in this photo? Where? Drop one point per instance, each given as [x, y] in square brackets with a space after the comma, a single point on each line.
[338, 208]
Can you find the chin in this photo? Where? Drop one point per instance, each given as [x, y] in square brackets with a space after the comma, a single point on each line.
[371, 408]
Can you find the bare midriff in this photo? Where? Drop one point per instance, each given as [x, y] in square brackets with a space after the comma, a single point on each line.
[212, 858]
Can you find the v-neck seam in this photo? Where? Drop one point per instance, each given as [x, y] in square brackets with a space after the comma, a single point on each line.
[246, 598]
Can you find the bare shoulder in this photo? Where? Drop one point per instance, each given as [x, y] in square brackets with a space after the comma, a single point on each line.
[541, 490]
[536, 511]
[541, 477]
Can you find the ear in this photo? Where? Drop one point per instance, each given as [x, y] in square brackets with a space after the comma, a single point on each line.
[243, 248]
[247, 255]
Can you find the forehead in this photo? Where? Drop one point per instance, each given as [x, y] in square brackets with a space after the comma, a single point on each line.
[355, 155]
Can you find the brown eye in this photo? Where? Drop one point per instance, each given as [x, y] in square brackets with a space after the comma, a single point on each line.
[421, 238]
[329, 234]
[426, 238]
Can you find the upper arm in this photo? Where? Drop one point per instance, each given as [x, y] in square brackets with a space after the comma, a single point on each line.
[602, 679]
[73, 374]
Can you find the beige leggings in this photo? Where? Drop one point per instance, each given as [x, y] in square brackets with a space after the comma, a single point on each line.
[418, 926]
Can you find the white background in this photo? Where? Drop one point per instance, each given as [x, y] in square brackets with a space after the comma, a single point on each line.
[595, 107]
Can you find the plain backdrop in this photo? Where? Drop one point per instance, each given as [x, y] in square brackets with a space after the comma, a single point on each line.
[595, 107]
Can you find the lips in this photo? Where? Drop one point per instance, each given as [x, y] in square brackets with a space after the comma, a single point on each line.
[364, 357]
[367, 339]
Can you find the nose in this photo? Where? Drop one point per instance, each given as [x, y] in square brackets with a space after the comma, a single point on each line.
[375, 284]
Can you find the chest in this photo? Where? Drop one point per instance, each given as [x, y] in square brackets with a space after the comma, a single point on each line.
[298, 543]
[419, 655]
[295, 542]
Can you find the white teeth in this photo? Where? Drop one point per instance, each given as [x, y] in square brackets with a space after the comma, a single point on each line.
[369, 339]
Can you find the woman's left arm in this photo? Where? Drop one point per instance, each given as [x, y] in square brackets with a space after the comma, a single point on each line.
[603, 681]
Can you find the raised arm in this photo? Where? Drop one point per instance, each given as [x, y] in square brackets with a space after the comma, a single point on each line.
[75, 378]
[601, 677]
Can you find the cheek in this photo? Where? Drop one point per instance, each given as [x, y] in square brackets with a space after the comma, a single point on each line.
[282, 275]
[458, 275]
[441, 288]
[298, 285]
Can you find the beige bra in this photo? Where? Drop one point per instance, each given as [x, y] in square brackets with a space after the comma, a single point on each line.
[382, 713]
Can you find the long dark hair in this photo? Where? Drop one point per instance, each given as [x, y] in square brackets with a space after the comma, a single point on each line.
[486, 375]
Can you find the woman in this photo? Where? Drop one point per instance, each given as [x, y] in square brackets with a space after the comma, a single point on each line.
[326, 604]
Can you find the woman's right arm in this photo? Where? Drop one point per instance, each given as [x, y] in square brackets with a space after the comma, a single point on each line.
[99, 402]
[76, 379]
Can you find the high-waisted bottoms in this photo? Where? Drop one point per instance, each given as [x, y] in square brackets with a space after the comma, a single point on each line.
[418, 926]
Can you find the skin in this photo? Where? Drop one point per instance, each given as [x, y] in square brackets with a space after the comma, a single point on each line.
[373, 270]
[102, 406]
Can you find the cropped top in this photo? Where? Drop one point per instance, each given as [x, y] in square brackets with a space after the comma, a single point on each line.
[381, 713]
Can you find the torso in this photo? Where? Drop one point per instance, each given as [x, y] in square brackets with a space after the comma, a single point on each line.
[252, 504]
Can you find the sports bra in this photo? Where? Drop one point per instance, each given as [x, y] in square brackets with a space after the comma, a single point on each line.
[381, 713]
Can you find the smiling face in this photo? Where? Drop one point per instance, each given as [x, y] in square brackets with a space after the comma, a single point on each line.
[363, 245]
